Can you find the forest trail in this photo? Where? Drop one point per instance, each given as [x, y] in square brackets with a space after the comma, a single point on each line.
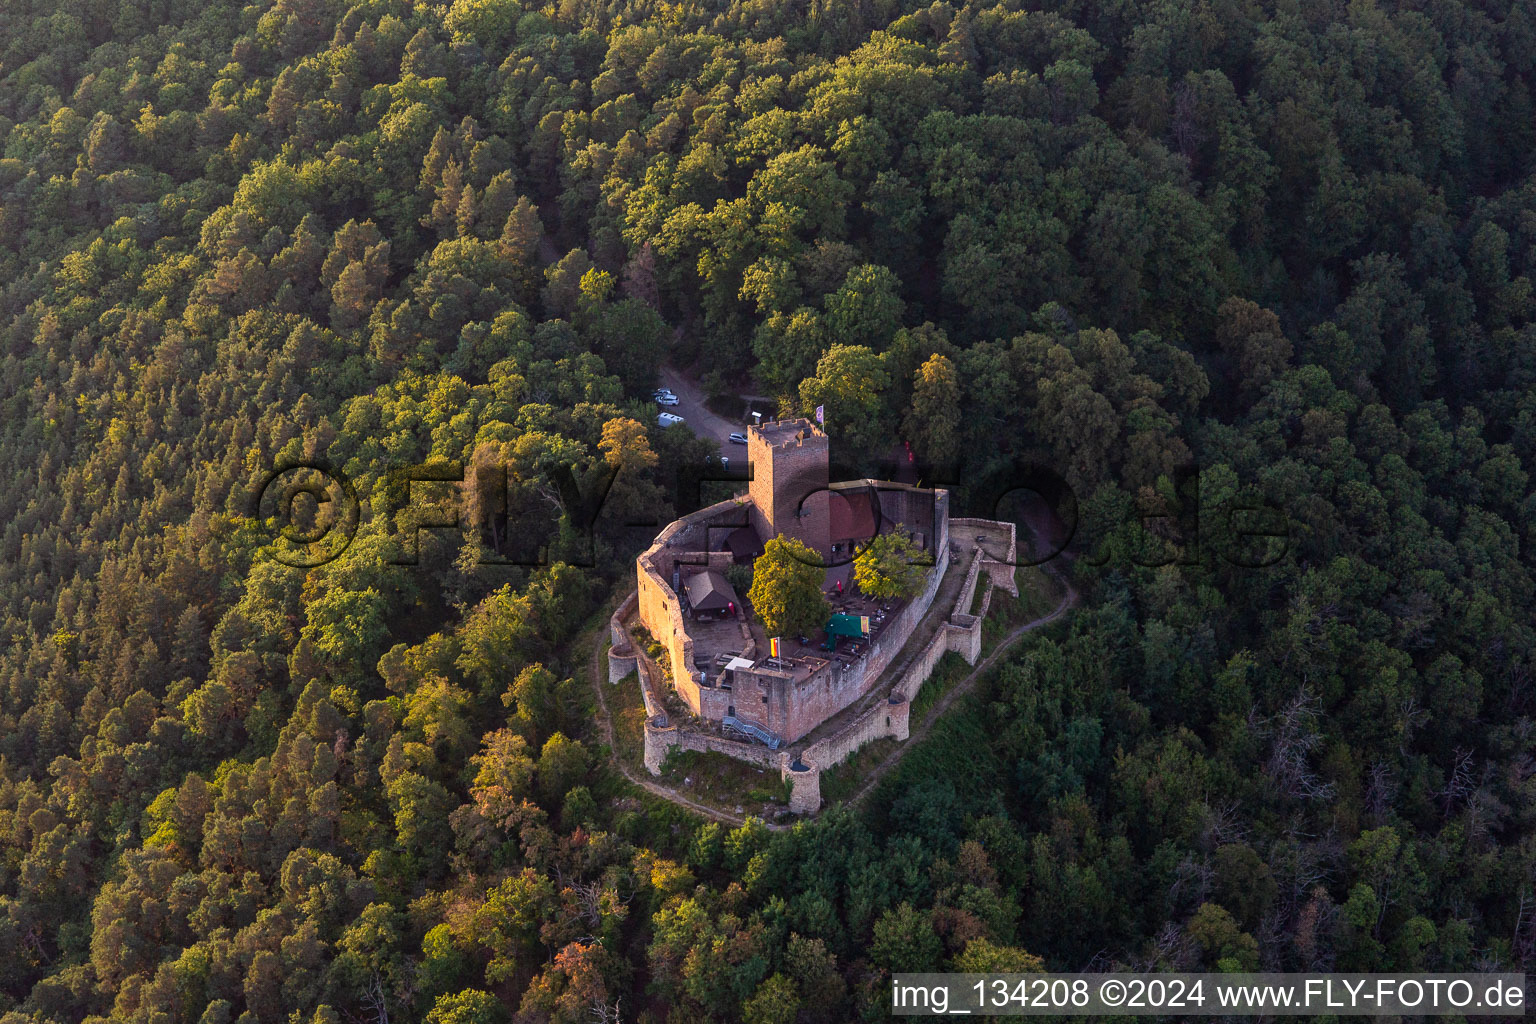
[963, 687]
[599, 673]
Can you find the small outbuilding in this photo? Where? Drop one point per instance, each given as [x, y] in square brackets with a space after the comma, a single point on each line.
[710, 595]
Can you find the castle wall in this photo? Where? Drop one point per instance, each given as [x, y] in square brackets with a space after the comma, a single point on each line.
[789, 494]
[916, 510]
[659, 607]
[1002, 575]
[622, 659]
[662, 740]
[919, 510]
[661, 612]
[715, 703]
[961, 633]
[804, 788]
[986, 600]
[1001, 546]
[620, 666]
[814, 700]
[885, 719]
[942, 521]
[899, 629]
[659, 740]
[968, 588]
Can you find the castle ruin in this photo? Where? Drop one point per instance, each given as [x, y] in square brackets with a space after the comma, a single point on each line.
[817, 700]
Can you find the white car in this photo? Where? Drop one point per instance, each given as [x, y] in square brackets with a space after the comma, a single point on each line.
[666, 399]
[663, 393]
[738, 439]
[668, 419]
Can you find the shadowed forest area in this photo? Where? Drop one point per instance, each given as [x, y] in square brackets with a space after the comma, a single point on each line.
[1289, 243]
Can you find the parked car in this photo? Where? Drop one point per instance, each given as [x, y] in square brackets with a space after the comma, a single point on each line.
[668, 419]
[663, 393]
[738, 439]
[666, 399]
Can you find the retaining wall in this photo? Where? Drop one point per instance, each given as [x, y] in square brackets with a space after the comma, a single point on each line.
[621, 651]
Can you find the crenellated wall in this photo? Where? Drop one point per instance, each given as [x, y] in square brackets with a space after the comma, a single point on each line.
[790, 460]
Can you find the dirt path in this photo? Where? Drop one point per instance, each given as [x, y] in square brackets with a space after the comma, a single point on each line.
[599, 674]
[962, 688]
[645, 782]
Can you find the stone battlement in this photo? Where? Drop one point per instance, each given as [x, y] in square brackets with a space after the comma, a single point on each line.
[791, 433]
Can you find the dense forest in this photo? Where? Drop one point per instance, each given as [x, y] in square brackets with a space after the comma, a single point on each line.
[1289, 243]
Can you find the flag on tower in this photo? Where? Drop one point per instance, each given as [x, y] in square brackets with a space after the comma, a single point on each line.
[773, 648]
[821, 415]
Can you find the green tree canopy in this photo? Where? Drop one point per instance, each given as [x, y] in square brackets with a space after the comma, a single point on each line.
[891, 565]
[786, 588]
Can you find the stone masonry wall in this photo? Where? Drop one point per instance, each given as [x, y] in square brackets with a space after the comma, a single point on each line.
[827, 693]
[961, 634]
[660, 609]
[621, 652]
[661, 613]
[804, 787]
[1001, 544]
[968, 588]
[661, 740]
[686, 541]
[885, 719]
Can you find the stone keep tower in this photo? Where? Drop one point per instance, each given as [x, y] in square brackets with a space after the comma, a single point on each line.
[790, 460]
